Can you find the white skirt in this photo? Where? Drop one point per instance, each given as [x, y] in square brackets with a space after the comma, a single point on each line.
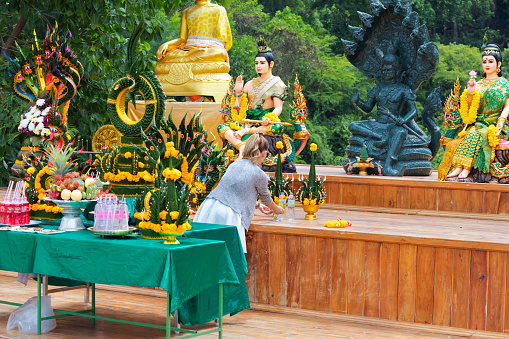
[215, 212]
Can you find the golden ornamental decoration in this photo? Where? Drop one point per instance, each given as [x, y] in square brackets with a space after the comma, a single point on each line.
[106, 136]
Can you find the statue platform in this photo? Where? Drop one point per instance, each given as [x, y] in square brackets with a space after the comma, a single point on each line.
[419, 251]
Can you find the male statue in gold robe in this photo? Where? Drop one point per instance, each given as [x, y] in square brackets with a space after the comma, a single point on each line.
[194, 63]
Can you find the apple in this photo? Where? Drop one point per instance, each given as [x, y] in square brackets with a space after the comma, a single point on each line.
[76, 195]
[65, 194]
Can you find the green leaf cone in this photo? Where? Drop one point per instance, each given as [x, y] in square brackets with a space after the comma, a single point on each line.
[364, 153]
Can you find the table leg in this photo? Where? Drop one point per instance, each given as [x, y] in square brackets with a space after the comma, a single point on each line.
[44, 285]
[168, 315]
[176, 319]
[220, 311]
[38, 304]
[93, 302]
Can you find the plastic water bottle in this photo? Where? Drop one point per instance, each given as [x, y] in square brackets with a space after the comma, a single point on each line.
[108, 215]
[4, 206]
[16, 203]
[123, 216]
[99, 215]
[290, 212]
[282, 204]
[25, 208]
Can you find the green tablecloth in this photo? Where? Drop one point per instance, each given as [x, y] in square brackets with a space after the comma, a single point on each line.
[184, 270]
[236, 297]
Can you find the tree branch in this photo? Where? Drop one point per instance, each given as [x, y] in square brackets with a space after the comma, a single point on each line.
[9, 44]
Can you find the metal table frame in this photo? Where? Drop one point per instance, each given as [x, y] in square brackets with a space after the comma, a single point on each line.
[93, 316]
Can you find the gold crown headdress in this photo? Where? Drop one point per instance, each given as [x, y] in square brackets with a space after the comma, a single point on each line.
[485, 48]
[262, 46]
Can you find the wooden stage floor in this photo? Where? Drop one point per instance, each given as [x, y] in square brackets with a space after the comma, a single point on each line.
[405, 226]
[137, 304]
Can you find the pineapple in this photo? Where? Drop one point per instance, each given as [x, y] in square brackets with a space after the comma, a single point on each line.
[58, 161]
[61, 167]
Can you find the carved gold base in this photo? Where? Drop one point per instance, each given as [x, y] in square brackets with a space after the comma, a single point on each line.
[190, 79]
[310, 210]
[363, 167]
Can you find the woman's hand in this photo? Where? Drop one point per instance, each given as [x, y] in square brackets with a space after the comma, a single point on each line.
[499, 126]
[471, 86]
[278, 210]
[265, 121]
[264, 209]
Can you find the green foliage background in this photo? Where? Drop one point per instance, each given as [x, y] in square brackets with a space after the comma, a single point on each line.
[304, 35]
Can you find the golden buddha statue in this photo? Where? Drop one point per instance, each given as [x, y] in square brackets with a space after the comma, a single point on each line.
[197, 62]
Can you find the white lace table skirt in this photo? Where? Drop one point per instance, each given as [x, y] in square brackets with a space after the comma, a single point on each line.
[215, 212]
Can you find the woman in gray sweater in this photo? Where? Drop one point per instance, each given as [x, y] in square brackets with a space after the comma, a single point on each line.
[235, 198]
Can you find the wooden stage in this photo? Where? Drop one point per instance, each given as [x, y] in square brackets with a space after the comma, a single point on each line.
[260, 322]
[421, 193]
[420, 254]
[418, 251]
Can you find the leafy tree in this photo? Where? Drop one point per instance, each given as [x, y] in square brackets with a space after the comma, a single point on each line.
[100, 30]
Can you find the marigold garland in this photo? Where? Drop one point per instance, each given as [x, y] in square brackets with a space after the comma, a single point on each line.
[492, 136]
[239, 114]
[145, 175]
[172, 174]
[469, 114]
[165, 227]
[337, 223]
[272, 116]
[46, 208]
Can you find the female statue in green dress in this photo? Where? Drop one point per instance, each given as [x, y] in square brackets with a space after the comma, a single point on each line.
[484, 108]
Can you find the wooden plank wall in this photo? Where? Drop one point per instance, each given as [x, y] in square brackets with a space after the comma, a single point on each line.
[435, 196]
[422, 284]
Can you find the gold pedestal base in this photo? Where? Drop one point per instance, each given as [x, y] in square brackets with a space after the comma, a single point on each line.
[194, 79]
[171, 238]
[363, 166]
[310, 210]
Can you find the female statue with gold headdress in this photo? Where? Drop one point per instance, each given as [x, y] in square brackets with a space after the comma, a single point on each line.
[484, 107]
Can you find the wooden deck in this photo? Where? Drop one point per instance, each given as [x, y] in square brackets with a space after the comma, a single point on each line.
[421, 193]
[415, 266]
[261, 322]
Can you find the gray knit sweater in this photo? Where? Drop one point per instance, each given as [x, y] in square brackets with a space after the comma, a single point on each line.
[240, 187]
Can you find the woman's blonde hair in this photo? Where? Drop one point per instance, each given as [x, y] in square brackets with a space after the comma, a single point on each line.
[255, 145]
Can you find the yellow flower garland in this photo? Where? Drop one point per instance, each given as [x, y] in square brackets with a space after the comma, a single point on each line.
[47, 208]
[336, 223]
[239, 115]
[164, 226]
[272, 116]
[469, 114]
[492, 136]
[145, 175]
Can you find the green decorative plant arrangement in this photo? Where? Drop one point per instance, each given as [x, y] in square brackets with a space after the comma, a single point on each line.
[312, 193]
